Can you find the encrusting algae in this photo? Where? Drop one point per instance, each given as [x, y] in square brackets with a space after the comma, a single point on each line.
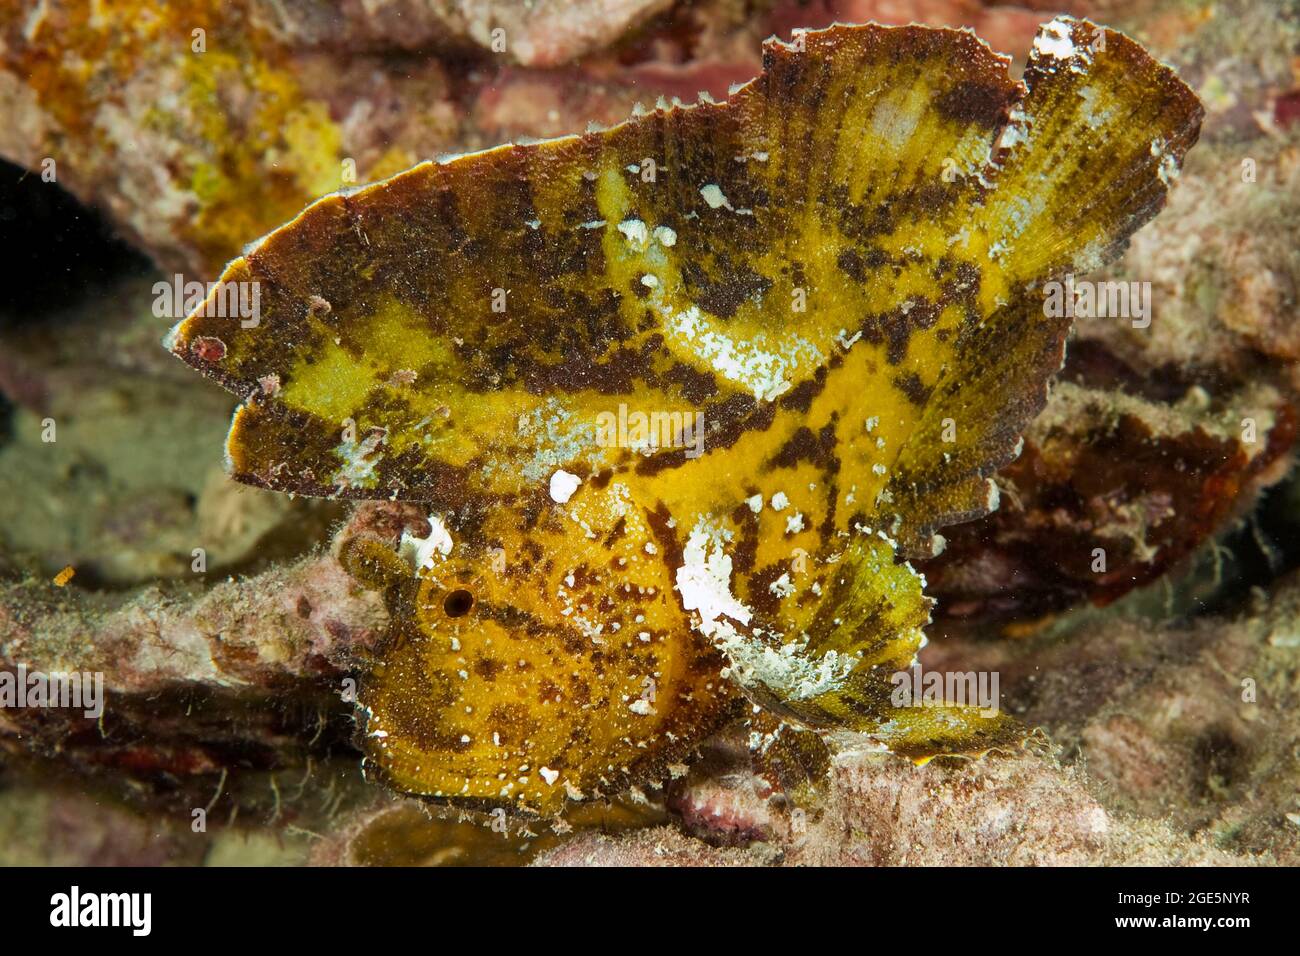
[830, 288]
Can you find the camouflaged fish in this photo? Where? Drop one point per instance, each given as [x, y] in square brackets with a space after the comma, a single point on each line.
[682, 396]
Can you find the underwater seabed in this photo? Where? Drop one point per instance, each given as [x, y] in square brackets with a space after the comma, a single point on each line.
[1136, 594]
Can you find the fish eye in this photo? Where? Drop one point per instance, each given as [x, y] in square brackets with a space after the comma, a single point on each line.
[458, 603]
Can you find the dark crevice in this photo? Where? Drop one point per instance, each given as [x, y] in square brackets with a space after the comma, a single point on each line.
[58, 252]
